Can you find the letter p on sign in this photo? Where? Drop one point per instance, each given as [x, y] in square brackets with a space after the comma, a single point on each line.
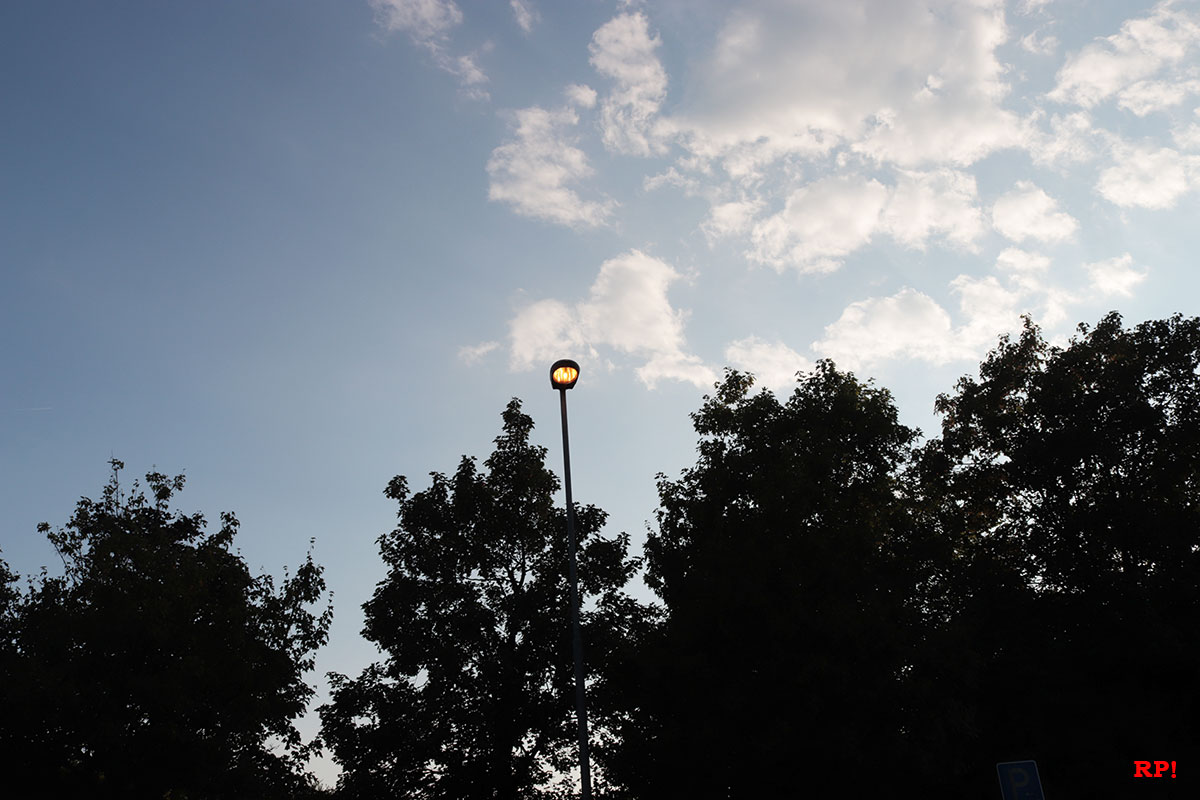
[1019, 780]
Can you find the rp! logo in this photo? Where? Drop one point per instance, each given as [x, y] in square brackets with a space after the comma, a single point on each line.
[1141, 769]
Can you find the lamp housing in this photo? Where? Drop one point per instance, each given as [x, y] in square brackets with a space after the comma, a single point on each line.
[564, 373]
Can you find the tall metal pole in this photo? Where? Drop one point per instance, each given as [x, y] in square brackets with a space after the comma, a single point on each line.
[585, 773]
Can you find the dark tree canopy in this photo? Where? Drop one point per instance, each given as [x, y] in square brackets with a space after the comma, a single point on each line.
[1066, 485]
[475, 697]
[847, 615]
[156, 665]
[844, 612]
[778, 663]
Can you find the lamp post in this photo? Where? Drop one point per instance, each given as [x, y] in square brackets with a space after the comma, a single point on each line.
[563, 375]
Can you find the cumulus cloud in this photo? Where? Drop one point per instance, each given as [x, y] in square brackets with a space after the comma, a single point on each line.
[1142, 47]
[907, 82]
[473, 353]
[541, 330]
[912, 325]
[939, 202]
[820, 224]
[731, 218]
[826, 220]
[1147, 176]
[428, 23]
[1027, 212]
[1145, 97]
[1116, 276]
[1039, 45]
[1072, 139]
[525, 14]
[672, 177]
[988, 309]
[1026, 273]
[469, 75]
[627, 311]
[774, 364]
[534, 171]
[1015, 261]
[624, 50]
[1187, 137]
[1032, 6]
[675, 366]
[581, 95]
[908, 324]
[899, 97]
[423, 20]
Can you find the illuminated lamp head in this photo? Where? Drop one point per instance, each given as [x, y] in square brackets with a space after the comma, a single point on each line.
[564, 373]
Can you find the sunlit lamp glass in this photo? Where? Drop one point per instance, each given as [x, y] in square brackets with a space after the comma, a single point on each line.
[564, 373]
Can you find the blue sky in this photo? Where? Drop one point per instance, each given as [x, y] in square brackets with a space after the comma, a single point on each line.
[295, 248]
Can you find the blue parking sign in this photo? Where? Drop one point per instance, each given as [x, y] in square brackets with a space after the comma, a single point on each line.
[1019, 780]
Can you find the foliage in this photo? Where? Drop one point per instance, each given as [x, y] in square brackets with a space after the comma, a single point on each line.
[156, 665]
[475, 698]
[1067, 485]
[843, 612]
[779, 661]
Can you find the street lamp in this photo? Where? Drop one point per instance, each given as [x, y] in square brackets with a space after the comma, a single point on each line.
[563, 375]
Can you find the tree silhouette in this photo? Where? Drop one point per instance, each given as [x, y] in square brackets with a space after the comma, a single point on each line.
[1066, 484]
[777, 669]
[157, 665]
[475, 698]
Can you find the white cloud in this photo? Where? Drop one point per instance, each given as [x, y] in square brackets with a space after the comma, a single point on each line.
[1140, 49]
[1071, 140]
[941, 202]
[1015, 261]
[790, 122]
[1032, 6]
[470, 75]
[543, 331]
[909, 324]
[627, 311]
[1027, 212]
[675, 366]
[423, 20]
[907, 82]
[824, 221]
[1145, 97]
[729, 219]
[525, 14]
[1026, 273]
[623, 50]
[581, 95]
[672, 177]
[627, 305]
[428, 23]
[1116, 276]
[988, 308]
[819, 225]
[534, 171]
[774, 364]
[472, 354]
[1146, 176]
[1039, 45]
[1187, 137]
[912, 325]
[750, 162]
